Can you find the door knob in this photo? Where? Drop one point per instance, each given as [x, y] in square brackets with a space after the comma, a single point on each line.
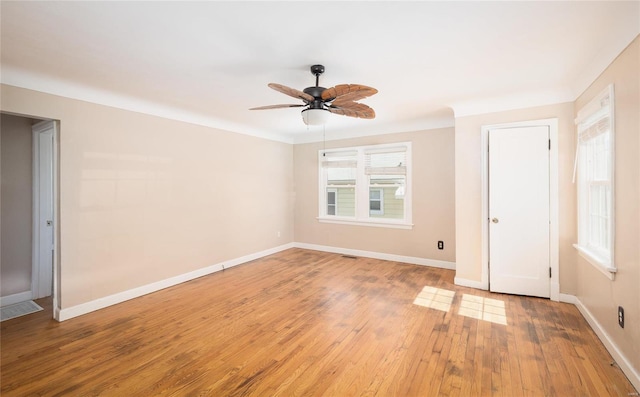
[495, 220]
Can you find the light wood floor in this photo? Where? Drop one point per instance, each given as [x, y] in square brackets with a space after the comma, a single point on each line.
[308, 323]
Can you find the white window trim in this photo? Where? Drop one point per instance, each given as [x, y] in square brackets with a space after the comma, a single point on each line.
[362, 190]
[376, 222]
[596, 260]
[592, 110]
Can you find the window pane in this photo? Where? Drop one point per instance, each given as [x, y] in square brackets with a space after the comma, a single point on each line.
[331, 198]
[599, 218]
[391, 206]
[389, 189]
[341, 201]
[331, 202]
[375, 202]
[346, 201]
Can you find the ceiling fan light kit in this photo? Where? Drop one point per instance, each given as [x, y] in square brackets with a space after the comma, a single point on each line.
[315, 116]
[320, 101]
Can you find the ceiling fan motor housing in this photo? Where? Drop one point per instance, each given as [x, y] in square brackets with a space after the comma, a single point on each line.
[315, 92]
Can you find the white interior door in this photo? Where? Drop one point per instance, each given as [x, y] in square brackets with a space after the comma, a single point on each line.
[519, 227]
[42, 274]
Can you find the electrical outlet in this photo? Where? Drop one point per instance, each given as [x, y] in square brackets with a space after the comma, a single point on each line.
[621, 316]
[440, 245]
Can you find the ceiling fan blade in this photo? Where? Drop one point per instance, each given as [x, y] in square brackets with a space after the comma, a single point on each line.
[347, 93]
[292, 92]
[353, 109]
[276, 107]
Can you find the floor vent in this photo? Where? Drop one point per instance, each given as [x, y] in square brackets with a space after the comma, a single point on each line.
[18, 309]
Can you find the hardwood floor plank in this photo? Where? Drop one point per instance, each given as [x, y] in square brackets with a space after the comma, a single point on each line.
[308, 323]
[514, 360]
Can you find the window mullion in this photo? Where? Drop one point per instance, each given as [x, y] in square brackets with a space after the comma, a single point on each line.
[362, 188]
[322, 197]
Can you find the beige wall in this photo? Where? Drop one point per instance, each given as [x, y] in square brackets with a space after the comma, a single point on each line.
[597, 293]
[468, 187]
[433, 199]
[144, 198]
[15, 261]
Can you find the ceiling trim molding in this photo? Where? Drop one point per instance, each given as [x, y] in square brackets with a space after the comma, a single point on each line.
[329, 135]
[505, 103]
[38, 82]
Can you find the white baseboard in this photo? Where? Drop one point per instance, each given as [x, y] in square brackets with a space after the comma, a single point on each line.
[566, 298]
[379, 255]
[609, 344]
[15, 298]
[463, 282]
[101, 303]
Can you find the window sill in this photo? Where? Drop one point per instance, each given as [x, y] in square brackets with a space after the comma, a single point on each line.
[376, 223]
[596, 261]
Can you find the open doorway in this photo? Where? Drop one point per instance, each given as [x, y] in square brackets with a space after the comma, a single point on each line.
[28, 203]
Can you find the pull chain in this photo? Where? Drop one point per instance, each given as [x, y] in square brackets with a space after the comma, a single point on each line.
[324, 141]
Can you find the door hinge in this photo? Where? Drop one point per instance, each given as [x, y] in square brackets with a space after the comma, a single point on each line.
[549, 144]
[549, 272]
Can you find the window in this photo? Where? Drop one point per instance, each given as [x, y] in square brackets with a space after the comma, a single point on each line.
[594, 165]
[332, 203]
[367, 185]
[376, 207]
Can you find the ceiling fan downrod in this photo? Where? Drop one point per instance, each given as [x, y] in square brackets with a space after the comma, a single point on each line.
[317, 70]
[316, 91]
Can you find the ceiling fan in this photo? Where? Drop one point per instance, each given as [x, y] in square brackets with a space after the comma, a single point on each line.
[320, 101]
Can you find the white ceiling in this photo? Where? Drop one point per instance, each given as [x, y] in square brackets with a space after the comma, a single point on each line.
[208, 62]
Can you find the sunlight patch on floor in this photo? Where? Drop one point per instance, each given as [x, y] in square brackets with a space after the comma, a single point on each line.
[435, 298]
[487, 309]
